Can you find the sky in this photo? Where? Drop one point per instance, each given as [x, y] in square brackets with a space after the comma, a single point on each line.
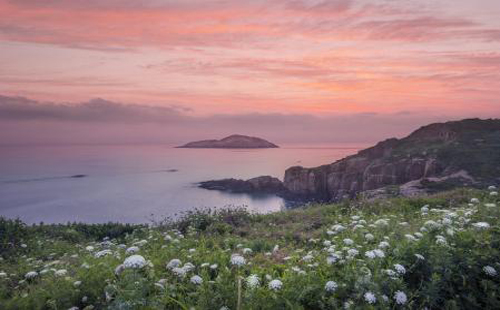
[295, 71]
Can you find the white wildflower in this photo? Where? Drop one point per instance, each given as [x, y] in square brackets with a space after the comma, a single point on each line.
[338, 228]
[348, 241]
[253, 281]
[331, 286]
[196, 279]
[369, 237]
[238, 260]
[307, 258]
[390, 273]
[381, 223]
[132, 250]
[61, 273]
[135, 261]
[490, 271]
[174, 263]
[31, 275]
[441, 240]
[410, 237]
[370, 254]
[481, 225]
[103, 253]
[383, 245]
[352, 253]
[447, 221]
[370, 297]
[379, 253]
[188, 267]
[275, 285]
[348, 304]
[400, 298]
[432, 225]
[400, 268]
[332, 259]
[180, 272]
[419, 256]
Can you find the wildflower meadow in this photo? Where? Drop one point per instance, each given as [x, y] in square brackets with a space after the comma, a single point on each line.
[436, 252]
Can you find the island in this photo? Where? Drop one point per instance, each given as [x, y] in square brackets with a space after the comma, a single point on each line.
[231, 142]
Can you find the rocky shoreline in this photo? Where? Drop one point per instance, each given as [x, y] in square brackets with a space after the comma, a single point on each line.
[436, 157]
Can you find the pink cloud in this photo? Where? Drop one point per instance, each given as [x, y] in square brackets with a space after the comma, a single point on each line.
[307, 56]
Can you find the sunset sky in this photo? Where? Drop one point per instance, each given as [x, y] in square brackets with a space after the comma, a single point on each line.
[231, 66]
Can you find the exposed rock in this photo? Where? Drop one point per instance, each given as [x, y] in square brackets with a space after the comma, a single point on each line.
[433, 152]
[232, 142]
[258, 185]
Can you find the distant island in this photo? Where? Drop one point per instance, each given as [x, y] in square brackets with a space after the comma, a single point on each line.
[231, 142]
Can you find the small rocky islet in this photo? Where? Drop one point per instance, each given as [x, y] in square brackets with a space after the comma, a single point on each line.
[231, 142]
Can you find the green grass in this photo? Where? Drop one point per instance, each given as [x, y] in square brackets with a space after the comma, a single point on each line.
[291, 246]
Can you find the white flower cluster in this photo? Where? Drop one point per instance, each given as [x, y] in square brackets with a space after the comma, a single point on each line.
[196, 279]
[135, 262]
[275, 285]
[331, 286]
[174, 263]
[481, 225]
[238, 260]
[490, 271]
[400, 269]
[253, 281]
[377, 253]
[370, 297]
[400, 298]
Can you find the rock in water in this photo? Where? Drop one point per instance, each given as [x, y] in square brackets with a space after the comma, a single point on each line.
[258, 185]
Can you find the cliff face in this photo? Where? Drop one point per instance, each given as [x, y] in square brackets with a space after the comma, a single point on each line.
[434, 151]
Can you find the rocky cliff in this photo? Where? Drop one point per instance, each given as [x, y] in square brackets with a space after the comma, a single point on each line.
[456, 153]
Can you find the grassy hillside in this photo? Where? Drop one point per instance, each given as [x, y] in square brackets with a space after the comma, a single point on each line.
[439, 252]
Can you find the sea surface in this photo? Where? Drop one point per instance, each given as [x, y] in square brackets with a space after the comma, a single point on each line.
[136, 184]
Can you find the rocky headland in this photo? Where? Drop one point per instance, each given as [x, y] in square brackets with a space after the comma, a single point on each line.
[436, 157]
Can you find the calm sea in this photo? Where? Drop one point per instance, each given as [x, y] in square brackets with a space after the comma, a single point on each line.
[135, 183]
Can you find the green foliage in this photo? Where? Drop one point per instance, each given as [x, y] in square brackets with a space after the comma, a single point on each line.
[291, 246]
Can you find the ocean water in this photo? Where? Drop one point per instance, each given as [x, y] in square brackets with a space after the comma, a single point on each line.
[135, 184]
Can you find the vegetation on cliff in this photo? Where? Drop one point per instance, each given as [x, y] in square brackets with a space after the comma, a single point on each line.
[438, 252]
[457, 153]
